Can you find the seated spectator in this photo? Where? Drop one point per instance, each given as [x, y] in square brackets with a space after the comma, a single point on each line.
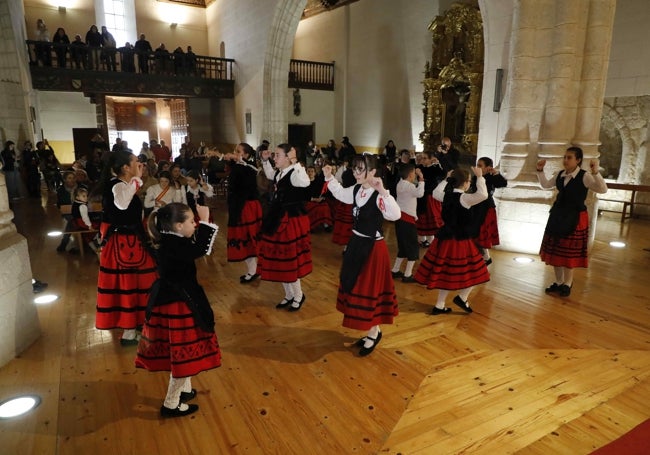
[148, 179]
[161, 194]
[177, 181]
[163, 166]
[61, 42]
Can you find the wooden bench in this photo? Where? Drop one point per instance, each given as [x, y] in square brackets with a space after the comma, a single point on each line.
[66, 211]
[631, 202]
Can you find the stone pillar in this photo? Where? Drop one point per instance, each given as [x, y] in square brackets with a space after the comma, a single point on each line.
[19, 325]
[558, 67]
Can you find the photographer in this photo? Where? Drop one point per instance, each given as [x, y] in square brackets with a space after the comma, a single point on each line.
[447, 155]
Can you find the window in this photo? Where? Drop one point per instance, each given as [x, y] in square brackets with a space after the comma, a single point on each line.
[119, 18]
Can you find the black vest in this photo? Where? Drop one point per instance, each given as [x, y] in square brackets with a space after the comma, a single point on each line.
[573, 194]
[130, 218]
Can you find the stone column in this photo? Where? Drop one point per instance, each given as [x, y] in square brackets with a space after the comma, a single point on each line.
[558, 70]
[19, 325]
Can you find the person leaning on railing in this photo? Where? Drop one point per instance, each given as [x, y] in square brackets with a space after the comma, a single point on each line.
[61, 42]
[79, 53]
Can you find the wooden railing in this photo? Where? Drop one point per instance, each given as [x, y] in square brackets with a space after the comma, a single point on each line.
[128, 60]
[311, 75]
[122, 71]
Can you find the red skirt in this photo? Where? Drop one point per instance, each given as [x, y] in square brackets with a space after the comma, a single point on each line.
[319, 213]
[452, 264]
[489, 233]
[430, 220]
[242, 238]
[126, 273]
[79, 225]
[171, 341]
[286, 255]
[342, 224]
[372, 300]
[570, 251]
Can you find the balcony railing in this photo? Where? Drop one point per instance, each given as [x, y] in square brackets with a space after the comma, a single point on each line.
[311, 75]
[78, 68]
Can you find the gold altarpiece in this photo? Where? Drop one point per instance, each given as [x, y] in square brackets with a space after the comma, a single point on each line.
[454, 79]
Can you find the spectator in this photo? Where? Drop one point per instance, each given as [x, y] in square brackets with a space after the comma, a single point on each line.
[146, 151]
[190, 61]
[165, 153]
[347, 150]
[128, 58]
[94, 43]
[118, 145]
[30, 163]
[10, 170]
[61, 42]
[143, 49]
[108, 49]
[179, 61]
[79, 53]
[43, 50]
[162, 59]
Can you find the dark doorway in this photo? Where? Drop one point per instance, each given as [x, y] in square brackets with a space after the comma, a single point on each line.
[81, 140]
[300, 135]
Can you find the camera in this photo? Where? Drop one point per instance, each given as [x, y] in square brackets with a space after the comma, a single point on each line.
[443, 146]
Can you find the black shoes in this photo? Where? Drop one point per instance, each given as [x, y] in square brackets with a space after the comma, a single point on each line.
[244, 279]
[296, 308]
[132, 342]
[425, 244]
[565, 291]
[397, 274]
[364, 351]
[553, 288]
[462, 304]
[436, 310]
[408, 279]
[285, 303]
[167, 412]
[38, 286]
[188, 396]
[488, 261]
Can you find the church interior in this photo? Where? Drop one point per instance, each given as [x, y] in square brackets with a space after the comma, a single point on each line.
[526, 372]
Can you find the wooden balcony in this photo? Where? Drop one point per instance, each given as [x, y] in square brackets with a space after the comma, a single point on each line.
[311, 75]
[56, 67]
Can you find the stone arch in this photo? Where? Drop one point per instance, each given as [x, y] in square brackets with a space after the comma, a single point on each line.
[276, 69]
[629, 152]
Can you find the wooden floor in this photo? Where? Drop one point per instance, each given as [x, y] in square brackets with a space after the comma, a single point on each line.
[525, 373]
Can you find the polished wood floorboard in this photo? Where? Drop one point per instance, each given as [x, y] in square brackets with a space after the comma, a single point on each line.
[525, 373]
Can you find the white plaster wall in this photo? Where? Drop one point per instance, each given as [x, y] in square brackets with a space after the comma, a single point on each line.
[497, 28]
[380, 48]
[61, 111]
[629, 63]
[243, 26]
[317, 106]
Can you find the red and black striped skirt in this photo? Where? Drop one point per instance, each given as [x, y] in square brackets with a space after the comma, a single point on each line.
[372, 300]
[126, 273]
[286, 255]
[452, 264]
[570, 251]
[242, 238]
[319, 213]
[342, 224]
[171, 341]
[489, 233]
[430, 220]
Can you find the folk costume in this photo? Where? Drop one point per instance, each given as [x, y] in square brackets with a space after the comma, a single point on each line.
[567, 230]
[485, 214]
[366, 294]
[406, 228]
[244, 216]
[453, 262]
[318, 210]
[429, 210]
[178, 334]
[343, 220]
[126, 268]
[284, 252]
[156, 194]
